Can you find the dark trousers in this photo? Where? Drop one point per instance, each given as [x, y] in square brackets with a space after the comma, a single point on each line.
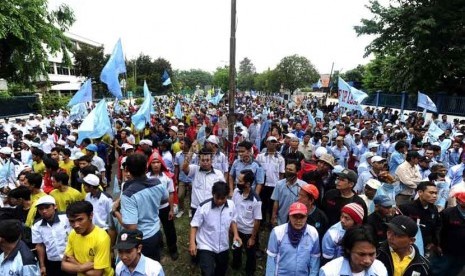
[54, 268]
[168, 229]
[151, 246]
[250, 264]
[267, 203]
[213, 264]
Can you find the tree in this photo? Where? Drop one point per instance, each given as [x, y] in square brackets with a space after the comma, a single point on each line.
[246, 74]
[28, 33]
[425, 40]
[188, 80]
[296, 71]
[355, 75]
[221, 78]
[378, 74]
[89, 61]
[266, 81]
[149, 70]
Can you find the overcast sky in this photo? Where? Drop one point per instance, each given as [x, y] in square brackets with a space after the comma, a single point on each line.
[195, 33]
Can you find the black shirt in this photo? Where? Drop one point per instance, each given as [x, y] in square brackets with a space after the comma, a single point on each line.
[429, 219]
[333, 203]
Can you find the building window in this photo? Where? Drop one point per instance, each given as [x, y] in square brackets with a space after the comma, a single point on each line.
[51, 69]
[72, 71]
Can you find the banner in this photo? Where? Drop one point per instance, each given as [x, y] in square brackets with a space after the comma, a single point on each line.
[350, 97]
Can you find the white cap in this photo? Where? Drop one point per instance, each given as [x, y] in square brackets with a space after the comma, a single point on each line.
[126, 146]
[146, 142]
[46, 199]
[31, 115]
[373, 183]
[213, 139]
[271, 138]
[181, 124]
[28, 143]
[290, 135]
[373, 145]
[61, 143]
[377, 158]
[35, 145]
[320, 151]
[6, 150]
[92, 180]
[77, 155]
[71, 138]
[174, 128]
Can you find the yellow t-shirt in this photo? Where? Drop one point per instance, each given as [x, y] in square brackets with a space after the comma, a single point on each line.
[32, 212]
[94, 247]
[176, 147]
[64, 199]
[401, 265]
[67, 166]
[38, 168]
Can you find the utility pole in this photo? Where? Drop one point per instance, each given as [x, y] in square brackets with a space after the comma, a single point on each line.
[232, 74]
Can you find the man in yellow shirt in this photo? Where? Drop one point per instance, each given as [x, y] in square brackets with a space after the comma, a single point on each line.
[66, 163]
[399, 253]
[38, 165]
[63, 194]
[88, 248]
[33, 182]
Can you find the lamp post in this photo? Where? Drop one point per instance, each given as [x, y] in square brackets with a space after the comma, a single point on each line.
[232, 74]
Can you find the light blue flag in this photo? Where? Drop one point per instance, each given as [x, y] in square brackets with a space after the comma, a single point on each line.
[116, 106]
[350, 97]
[311, 120]
[112, 69]
[78, 112]
[201, 135]
[96, 124]
[434, 131]
[166, 80]
[425, 102]
[216, 100]
[142, 117]
[83, 95]
[319, 84]
[178, 111]
[319, 114]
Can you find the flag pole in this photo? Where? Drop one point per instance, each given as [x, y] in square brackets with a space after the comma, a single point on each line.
[232, 74]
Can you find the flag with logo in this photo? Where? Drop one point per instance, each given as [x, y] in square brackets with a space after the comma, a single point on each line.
[425, 102]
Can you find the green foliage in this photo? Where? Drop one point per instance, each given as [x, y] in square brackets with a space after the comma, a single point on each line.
[89, 61]
[138, 101]
[26, 26]
[18, 89]
[266, 81]
[188, 80]
[295, 72]
[423, 41]
[50, 101]
[151, 71]
[378, 74]
[355, 74]
[221, 78]
[246, 75]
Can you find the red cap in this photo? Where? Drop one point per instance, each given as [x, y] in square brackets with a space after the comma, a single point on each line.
[311, 189]
[460, 196]
[297, 208]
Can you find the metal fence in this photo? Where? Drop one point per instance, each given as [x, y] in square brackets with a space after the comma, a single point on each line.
[19, 105]
[446, 104]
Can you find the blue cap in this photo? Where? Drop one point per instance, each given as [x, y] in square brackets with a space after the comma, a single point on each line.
[384, 201]
[91, 147]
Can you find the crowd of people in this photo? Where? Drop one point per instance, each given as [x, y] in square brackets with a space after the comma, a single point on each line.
[335, 191]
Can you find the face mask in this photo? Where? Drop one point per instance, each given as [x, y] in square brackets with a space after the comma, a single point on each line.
[241, 187]
[290, 175]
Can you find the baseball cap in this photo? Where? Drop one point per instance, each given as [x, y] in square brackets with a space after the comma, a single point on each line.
[297, 208]
[77, 155]
[403, 225]
[213, 139]
[92, 180]
[71, 138]
[126, 146]
[377, 158]
[460, 196]
[355, 211]
[320, 151]
[63, 143]
[91, 147]
[373, 145]
[348, 174]
[146, 142]
[271, 139]
[6, 150]
[46, 200]
[290, 135]
[340, 138]
[129, 239]
[174, 128]
[373, 183]
[384, 201]
[311, 189]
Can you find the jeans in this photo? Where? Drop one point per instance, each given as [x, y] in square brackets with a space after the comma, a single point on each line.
[213, 264]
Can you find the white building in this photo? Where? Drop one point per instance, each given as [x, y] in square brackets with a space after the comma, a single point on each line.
[61, 77]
